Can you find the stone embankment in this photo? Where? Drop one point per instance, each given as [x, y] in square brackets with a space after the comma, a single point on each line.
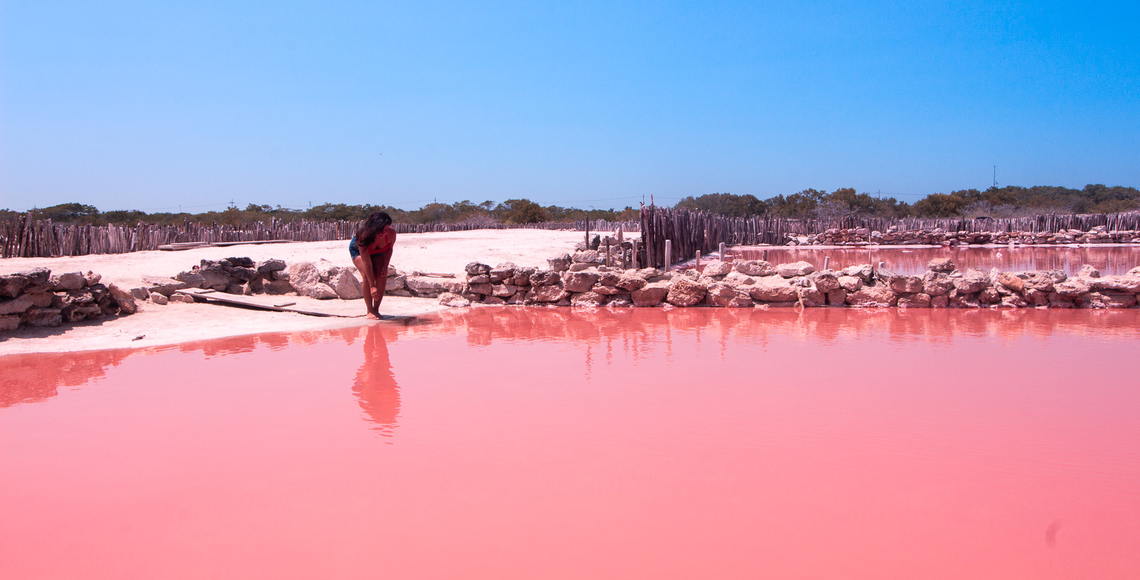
[941, 237]
[37, 298]
[580, 281]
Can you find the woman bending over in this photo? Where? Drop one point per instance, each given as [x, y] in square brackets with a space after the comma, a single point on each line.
[371, 251]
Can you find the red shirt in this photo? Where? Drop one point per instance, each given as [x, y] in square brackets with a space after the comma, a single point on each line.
[383, 242]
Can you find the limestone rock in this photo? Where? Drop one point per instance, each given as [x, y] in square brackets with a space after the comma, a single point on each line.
[476, 269]
[245, 274]
[559, 263]
[1010, 281]
[8, 323]
[545, 278]
[862, 271]
[125, 300]
[16, 305]
[755, 268]
[919, 300]
[588, 299]
[271, 265]
[453, 300]
[837, 298]
[1039, 281]
[685, 292]
[546, 293]
[800, 268]
[579, 281]
[630, 283]
[652, 294]
[826, 282]
[346, 286]
[217, 277]
[91, 278]
[192, 279]
[717, 268]
[504, 290]
[936, 283]
[773, 289]
[12, 285]
[164, 286]
[873, 296]
[159, 299]
[69, 281]
[943, 265]
[587, 257]
[41, 299]
[1071, 288]
[1087, 271]
[906, 284]
[140, 293]
[502, 272]
[40, 317]
[850, 283]
[428, 287]
[277, 287]
[971, 282]
[811, 297]
[940, 301]
[1127, 284]
[392, 283]
[482, 289]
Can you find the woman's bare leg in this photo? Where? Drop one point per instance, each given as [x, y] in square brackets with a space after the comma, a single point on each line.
[369, 305]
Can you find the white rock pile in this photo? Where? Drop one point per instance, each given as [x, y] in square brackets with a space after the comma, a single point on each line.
[579, 281]
[37, 298]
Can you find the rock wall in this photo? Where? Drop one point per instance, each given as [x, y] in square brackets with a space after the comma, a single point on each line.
[37, 298]
[581, 281]
[940, 237]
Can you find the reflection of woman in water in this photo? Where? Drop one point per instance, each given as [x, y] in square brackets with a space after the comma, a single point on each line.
[371, 251]
[375, 384]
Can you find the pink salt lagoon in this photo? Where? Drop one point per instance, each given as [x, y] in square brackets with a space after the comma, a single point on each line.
[1114, 259]
[549, 443]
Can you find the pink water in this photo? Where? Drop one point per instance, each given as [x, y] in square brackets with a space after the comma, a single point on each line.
[648, 443]
[908, 261]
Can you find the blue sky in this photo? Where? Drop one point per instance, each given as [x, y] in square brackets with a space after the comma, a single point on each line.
[165, 105]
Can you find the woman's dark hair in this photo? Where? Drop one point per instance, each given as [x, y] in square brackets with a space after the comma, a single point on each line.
[371, 226]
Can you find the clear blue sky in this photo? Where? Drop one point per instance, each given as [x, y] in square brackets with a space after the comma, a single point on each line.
[159, 105]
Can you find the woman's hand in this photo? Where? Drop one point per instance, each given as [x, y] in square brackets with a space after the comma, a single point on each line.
[377, 293]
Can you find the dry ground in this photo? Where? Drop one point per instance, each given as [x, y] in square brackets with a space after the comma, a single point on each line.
[180, 322]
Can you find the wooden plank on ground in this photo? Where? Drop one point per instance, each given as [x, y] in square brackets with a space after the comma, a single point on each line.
[239, 300]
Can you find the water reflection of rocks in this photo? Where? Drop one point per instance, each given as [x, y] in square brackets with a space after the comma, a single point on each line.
[39, 377]
[375, 385]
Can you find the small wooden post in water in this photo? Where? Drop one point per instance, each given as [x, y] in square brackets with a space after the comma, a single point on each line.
[826, 261]
[722, 256]
[634, 254]
[698, 266]
[765, 255]
[609, 255]
[668, 254]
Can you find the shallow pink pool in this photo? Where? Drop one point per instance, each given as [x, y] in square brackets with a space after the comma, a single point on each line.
[909, 261]
[646, 443]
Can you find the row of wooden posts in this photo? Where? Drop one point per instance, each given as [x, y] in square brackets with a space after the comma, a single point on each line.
[22, 236]
[669, 232]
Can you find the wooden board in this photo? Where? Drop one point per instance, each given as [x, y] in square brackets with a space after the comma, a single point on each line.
[283, 304]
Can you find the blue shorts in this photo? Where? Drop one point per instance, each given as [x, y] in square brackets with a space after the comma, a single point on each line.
[352, 249]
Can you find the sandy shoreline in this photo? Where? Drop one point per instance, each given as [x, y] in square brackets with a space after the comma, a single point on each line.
[445, 252]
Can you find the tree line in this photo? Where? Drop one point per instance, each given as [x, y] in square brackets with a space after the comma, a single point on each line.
[995, 202]
[512, 211]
